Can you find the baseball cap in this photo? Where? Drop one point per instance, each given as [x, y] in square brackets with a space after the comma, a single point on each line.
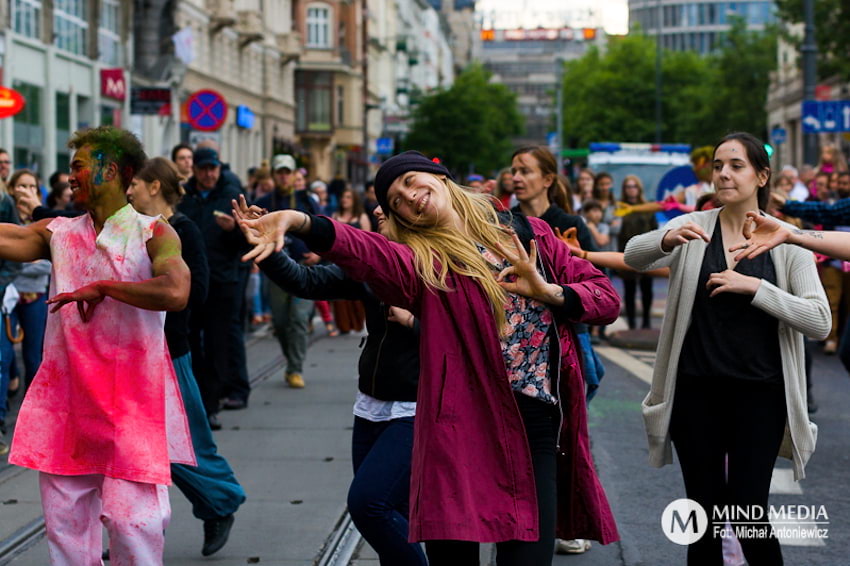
[205, 156]
[283, 161]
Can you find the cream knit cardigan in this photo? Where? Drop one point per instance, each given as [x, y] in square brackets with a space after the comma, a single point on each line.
[797, 300]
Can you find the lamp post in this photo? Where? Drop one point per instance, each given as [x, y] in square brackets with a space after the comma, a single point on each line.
[559, 111]
[658, 71]
[809, 51]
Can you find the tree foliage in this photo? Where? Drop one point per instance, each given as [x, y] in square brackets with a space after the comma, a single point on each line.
[611, 96]
[470, 125]
[832, 33]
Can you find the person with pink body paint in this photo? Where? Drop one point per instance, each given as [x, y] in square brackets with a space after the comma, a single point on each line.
[103, 417]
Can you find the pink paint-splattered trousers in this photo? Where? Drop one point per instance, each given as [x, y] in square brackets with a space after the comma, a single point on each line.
[135, 516]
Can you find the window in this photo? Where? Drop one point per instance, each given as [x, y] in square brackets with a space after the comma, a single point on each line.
[109, 34]
[70, 25]
[318, 27]
[28, 128]
[26, 17]
[313, 93]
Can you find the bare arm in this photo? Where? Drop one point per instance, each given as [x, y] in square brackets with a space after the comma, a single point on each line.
[25, 243]
[167, 290]
[764, 233]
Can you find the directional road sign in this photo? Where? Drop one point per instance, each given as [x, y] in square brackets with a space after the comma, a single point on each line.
[207, 110]
[384, 146]
[779, 135]
[826, 116]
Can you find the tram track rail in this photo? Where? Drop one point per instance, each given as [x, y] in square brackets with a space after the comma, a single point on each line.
[33, 531]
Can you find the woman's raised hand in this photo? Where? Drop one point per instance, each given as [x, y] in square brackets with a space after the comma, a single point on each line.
[528, 282]
[266, 231]
[682, 235]
[763, 233]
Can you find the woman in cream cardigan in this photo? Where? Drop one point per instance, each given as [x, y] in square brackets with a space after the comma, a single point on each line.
[729, 382]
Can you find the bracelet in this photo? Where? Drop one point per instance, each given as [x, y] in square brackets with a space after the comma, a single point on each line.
[583, 254]
[303, 223]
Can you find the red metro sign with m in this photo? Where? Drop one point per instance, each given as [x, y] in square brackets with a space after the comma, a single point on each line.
[11, 102]
[206, 110]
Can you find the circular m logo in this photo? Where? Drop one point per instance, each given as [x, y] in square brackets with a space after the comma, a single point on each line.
[684, 521]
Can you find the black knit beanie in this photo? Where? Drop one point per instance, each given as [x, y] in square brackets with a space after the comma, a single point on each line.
[399, 165]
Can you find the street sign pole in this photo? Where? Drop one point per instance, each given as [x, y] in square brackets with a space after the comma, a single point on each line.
[559, 112]
[809, 51]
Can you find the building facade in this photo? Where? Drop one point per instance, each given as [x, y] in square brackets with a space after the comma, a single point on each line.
[245, 51]
[785, 101]
[696, 25]
[526, 61]
[68, 59]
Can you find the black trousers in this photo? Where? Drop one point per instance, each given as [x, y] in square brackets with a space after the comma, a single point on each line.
[541, 425]
[630, 295]
[210, 339]
[715, 419]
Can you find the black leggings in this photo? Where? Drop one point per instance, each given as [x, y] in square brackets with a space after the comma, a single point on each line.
[716, 418]
[630, 288]
[541, 425]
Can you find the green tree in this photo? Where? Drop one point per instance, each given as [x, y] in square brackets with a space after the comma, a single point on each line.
[612, 96]
[739, 92]
[832, 33]
[470, 125]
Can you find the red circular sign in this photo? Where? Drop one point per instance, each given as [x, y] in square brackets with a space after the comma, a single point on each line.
[11, 102]
[207, 110]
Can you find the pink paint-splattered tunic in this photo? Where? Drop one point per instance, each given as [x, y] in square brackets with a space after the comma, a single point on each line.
[105, 399]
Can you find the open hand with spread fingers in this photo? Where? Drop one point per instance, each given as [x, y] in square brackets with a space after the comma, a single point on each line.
[87, 298]
[762, 234]
[529, 282]
[265, 231]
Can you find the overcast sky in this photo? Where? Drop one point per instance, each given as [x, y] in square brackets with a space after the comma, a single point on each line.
[613, 15]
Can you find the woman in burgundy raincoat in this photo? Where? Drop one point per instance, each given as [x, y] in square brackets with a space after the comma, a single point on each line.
[501, 451]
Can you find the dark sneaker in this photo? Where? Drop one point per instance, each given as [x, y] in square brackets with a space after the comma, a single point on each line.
[216, 532]
[105, 555]
[215, 424]
[234, 404]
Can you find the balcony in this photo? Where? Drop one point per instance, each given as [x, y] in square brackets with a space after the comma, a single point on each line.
[222, 14]
[249, 26]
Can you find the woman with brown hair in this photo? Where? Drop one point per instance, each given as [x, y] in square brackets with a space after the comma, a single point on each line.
[634, 224]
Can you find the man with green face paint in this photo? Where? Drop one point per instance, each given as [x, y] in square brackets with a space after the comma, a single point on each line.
[103, 417]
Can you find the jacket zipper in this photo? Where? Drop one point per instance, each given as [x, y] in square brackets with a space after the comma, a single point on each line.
[557, 373]
[380, 347]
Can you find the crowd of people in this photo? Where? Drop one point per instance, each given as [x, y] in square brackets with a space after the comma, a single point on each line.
[454, 283]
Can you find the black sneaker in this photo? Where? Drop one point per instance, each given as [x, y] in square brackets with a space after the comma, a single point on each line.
[216, 532]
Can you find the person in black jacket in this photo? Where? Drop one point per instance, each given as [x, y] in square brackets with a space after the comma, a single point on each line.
[382, 441]
[207, 203]
[211, 486]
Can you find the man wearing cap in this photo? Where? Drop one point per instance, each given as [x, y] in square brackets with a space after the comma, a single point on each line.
[207, 203]
[290, 314]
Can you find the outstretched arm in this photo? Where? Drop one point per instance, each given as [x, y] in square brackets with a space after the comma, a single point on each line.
[764, 233]
[25, 243]
[167, 290]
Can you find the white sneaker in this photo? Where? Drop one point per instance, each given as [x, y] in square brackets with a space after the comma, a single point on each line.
[574, 546]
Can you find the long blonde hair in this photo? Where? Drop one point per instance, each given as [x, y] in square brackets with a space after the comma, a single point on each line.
[438, 250]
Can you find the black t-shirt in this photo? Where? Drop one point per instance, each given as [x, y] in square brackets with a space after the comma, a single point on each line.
[728, 336]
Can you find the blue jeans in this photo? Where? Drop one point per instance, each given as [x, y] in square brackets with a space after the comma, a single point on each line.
[210, 486]
[33, 320]
[378, 497]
